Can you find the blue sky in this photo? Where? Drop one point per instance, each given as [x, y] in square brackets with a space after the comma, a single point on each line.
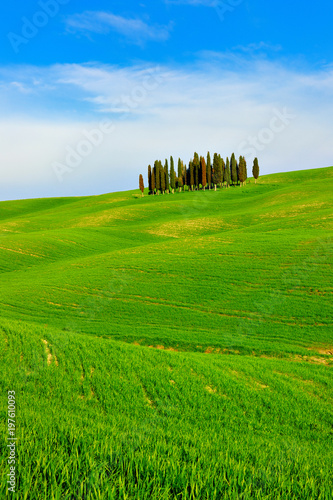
[90, 93]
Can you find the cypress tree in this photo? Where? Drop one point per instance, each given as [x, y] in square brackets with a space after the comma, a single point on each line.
[203, 172]
[191, 175]
[209, 171]
[166, 173]
[222, 171]
[180, 172]
[245, 169]
[162, 177]
[141, 184]
[196, 166]
[185, 183]
[180, 182]
[233, 169]
[255, 170]
[241, 170]
[153, 182]
[217, 170]
[237, 167]
[172, 176]
[157, 176]
[149, 179]
[226, 176]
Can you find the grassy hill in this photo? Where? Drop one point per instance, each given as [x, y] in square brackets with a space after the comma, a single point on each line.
[175, 346]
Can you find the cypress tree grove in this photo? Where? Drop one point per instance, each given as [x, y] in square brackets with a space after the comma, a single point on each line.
[196, 166]
[157, 176]
[141, 184]
[162, 177]
[191, 175]
[241, 170]
[199, 174]
[203, 172]
[217, 171]
[255, 170]
[226, 176]
[166, 173]
[209, 171]
[149, 179]
[233, 169]
[172, 176]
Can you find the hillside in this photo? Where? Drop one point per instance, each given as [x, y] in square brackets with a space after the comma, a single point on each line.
[175, 346]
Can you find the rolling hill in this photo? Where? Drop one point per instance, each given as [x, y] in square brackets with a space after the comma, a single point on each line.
[171, 347]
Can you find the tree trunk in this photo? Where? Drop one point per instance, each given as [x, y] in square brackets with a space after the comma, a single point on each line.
[255, 181]
[214, 187]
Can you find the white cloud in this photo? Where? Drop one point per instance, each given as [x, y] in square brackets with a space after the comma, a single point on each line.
[258, 47]
[134, 30]
[220, 103]
[21, 87]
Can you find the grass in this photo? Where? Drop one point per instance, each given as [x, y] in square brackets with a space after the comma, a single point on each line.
[171, 347]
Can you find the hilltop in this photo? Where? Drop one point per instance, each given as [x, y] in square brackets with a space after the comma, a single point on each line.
[172, 346]
[217, 258]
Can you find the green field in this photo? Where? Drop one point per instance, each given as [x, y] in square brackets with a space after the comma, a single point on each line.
[171, 347]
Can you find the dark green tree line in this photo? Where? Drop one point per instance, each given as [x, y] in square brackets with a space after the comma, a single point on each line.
[199, 174]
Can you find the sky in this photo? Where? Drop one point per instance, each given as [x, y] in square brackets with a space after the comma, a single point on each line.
[93, 92]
